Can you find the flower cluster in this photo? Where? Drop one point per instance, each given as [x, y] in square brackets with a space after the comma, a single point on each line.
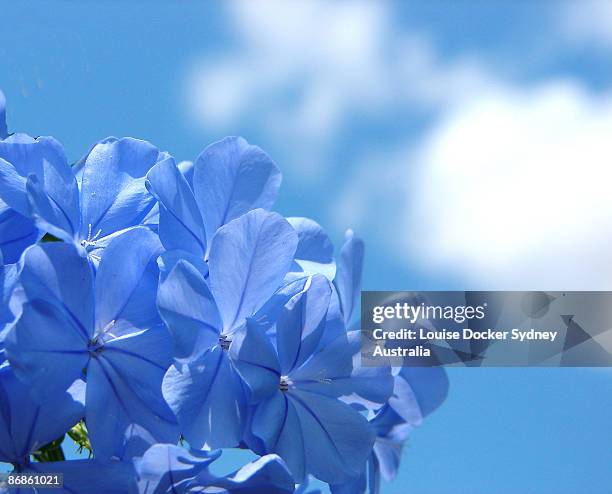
[158, 312]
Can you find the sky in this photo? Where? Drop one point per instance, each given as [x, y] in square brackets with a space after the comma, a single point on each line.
[467, 142]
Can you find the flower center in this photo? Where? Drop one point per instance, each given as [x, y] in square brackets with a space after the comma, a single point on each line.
[94, 347]
[285, 383]
[225, 341]
[90, 242]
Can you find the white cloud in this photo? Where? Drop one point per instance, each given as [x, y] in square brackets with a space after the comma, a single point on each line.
[509, 190]
[305, 70]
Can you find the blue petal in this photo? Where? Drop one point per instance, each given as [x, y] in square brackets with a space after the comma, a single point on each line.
[3, 128]
[256, 360]
[248, 259]
[13, 188]
[188, 309]
[47, 350]
[25, 425]
[301, 324]
[112, 185]
[314, 434]
[180, 223]
[276, 423]
[168, 468]
[55, 196]
[124, 388]
[363, 387]
[187, 169]
[16, 233]
[337, 439]
[170, 258]
[388, 455]
[315, 252]
[57, 273]
[348, 276]
[268, 474]
[208, 399]
[271, 309]
[126, 282]
[429, 385]
[8, 281]
[331, 362]
[53, 215]
[232, 177]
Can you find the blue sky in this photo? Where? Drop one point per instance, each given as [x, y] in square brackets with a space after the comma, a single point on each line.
[467, 142]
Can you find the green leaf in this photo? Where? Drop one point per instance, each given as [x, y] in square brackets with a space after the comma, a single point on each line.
[50, 452]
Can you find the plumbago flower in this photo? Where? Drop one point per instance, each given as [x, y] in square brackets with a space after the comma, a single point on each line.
[248, 260]
[27, 425]
[102, 327]
[88, 204]
[234, 327]
[229, 178]
[416, 393]
[295, 389]
[16, 231]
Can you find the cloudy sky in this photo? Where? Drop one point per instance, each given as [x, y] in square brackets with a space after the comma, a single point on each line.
[468, 142]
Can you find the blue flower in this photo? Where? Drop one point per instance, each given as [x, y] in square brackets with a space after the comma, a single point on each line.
[166, 468]
[348, 278]
[229, 179]
[103, 327]
[90, 204]
[417, 392]
[296, 389]
[16, 231]
[27, 425]
[8, 305]
[249, 257]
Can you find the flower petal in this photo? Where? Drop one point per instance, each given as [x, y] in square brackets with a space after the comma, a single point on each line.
[170, 468]
[337, 439]
[54, 191]
[189, 310]
[47, 349]
[428, 386]
[301, 324]
[232, 177]
[26, 425]
[208, 399]
[275, 421]
[56, 216]
[348, 276]
[256, 360]
[124, 388]
[126, 282]
[112, 185]
[248, 259]
[267, 474]
[315, 252]
[180, 223]
[16, 233]
[57, 273]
